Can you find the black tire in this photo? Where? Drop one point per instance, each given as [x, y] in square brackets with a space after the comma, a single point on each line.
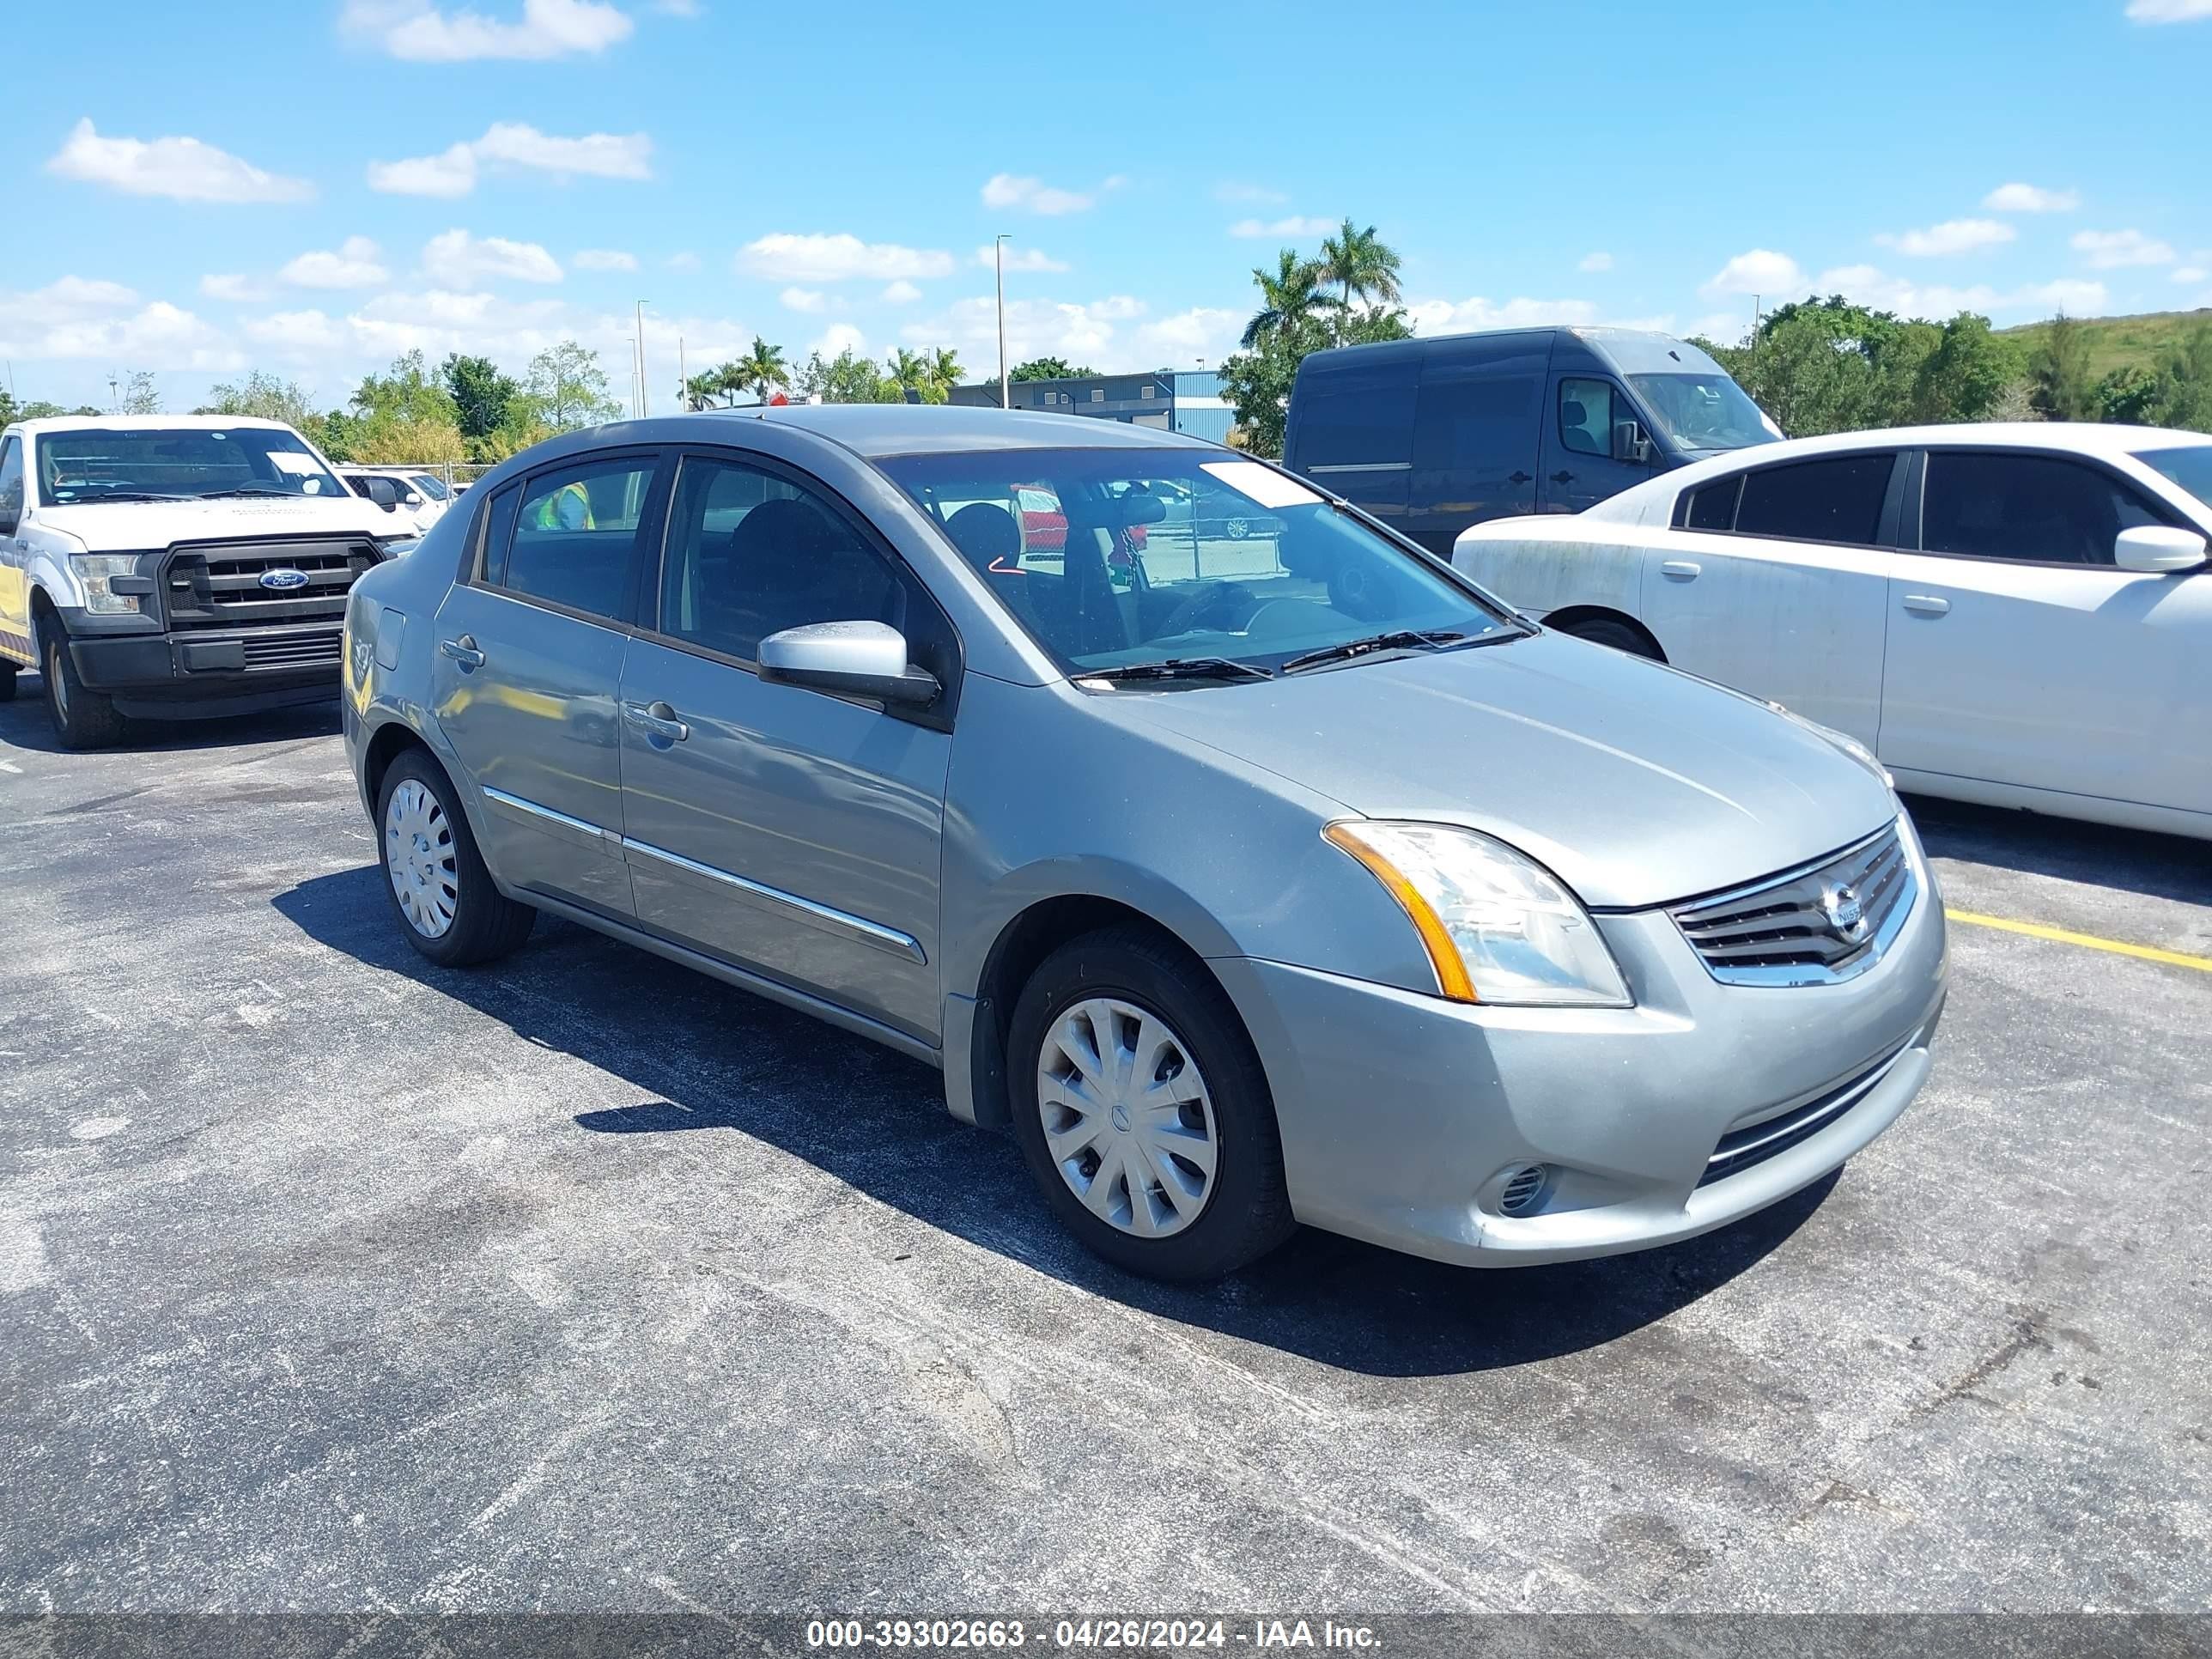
[486, 924]
[1619, 635]
[81, 719]
[1246, 1212]
[7, 682]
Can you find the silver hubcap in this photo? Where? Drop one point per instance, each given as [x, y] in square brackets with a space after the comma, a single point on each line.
[418, 854]
[1126, 1117]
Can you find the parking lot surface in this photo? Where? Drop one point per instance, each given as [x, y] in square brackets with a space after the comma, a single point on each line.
[330, 1280]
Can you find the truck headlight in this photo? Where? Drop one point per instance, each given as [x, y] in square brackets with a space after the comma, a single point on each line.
[1498, 927]
[96, 571]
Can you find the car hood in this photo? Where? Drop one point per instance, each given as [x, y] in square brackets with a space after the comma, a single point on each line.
[124, 527]
[1635, 784]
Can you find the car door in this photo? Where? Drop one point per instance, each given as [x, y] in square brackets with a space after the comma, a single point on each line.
[529, 668]
[2020, 653]
[1355, 431]
[791, 831]
[1775, 580]
[1475, 443]
[1577, 469]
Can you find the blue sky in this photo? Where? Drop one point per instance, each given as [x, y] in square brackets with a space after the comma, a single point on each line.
[197, 195]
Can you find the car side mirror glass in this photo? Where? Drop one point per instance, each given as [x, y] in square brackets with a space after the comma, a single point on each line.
[2157, 547]
[383, 492]
[1630, 444]
[858, 658]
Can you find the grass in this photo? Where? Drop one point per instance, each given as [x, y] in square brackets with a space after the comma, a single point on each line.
[2144, 341]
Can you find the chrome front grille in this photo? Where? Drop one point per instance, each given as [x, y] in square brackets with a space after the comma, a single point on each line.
[1815, 924]
[218, 585]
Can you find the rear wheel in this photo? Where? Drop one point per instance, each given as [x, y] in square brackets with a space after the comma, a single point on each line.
[1600, 630]
[81, 719]
[1142, 1110]
[448, 904]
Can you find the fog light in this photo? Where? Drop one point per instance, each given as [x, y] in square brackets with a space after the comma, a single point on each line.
[1525, 1189]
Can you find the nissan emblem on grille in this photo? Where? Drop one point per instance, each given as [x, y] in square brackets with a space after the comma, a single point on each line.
[284, 577]
[1814, 924]
[1844, 914]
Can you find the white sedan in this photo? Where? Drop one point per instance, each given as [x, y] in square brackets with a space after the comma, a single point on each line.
[2019, 615]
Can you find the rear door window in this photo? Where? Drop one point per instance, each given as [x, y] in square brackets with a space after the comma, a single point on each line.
[575, 534]
[1713, 507]
[1837, 500]
[2026, 507]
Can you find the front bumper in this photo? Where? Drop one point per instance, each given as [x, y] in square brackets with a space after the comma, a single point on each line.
[187, 675]
[1403, 1115]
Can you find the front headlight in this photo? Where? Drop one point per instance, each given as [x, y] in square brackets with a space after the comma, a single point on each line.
[1843, 740]
[1498, 927]
[97, 571]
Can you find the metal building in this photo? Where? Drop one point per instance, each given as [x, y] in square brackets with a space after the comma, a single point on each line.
[1173, 399]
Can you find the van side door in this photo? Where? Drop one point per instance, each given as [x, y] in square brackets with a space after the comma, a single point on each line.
[1577, 469]
[1475, 442]
[1355, 432]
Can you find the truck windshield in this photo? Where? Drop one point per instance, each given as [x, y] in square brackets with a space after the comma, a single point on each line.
[2189, 465]
[1195, 562]
[1704, 411]
[184, 463]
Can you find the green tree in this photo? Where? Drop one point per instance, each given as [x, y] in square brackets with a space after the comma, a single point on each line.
[2065, 388]
[1045, 368]
[563, 389]
[2186, 379]
[482, 395]
[1289, 299]
[1257, 381]
[763, 367]
[918, 371]
[1362, 265]
[403, 415]
[265, 397]
[945, 366]
[2131, 396]
[848, 378]
[1966, 373]
[139, 395]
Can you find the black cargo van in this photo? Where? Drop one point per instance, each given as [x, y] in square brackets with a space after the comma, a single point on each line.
[1432, 435]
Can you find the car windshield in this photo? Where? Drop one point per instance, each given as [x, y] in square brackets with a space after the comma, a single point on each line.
[430, 484]
[102, 463]
[1704, 411]
[1115, 559]
[2190, 465]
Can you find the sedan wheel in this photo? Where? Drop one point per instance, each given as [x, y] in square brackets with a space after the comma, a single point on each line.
[449, 906]
[1127, 1118]
[418, 853]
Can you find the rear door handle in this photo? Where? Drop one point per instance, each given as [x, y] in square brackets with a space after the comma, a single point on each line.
[463, 651]
[1681, 569]
[1520, 477]
[1926, 604]
[658, 719]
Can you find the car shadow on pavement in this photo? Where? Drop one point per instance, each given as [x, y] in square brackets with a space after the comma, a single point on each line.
[712, 1059]
[24, 725]
[2134, 860]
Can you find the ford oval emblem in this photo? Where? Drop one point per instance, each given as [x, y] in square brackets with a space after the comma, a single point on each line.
[284, 577]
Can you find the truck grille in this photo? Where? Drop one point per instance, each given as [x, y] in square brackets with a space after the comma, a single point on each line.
[218, 584]
[302, 647]
[1814, 924]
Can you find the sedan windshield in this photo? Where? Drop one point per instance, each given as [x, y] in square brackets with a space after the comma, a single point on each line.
[2189, 465]
[181, 464]
[1704, 411]
[1212, 566]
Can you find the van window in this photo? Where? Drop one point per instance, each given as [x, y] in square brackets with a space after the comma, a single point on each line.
[1367, 421]
[1586, 417]
[1826, 500]
[1471, 422]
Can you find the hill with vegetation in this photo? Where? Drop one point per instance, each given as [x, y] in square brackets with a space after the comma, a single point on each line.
[2147, 341]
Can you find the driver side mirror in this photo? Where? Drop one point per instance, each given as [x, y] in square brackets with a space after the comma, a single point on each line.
[384, 491]
[2154, 547]
[1630, 444]
[858, 659]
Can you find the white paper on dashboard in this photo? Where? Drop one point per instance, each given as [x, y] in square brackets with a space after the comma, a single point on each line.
[1262, 484]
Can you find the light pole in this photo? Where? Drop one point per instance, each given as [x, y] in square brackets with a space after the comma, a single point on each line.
[683, 380]
[999, 258]
[644, 402]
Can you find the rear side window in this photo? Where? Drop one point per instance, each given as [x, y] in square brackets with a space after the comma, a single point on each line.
[1586, 417]
[1713, 507]
[575, 529]
[1465, 424]
[1827, 500]
[2037, 509]
[1366, 421]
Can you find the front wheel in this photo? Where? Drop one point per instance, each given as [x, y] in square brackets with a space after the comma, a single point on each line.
[1142, 1110]
[448, 904]
[81, 719]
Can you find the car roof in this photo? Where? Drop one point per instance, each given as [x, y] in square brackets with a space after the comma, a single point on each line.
[148, 423]
[877, 430]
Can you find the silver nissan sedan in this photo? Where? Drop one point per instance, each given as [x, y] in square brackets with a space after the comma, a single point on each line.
[1253, 879]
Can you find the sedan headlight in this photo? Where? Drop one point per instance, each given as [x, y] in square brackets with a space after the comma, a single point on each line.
[1498, 927]
[97, 571]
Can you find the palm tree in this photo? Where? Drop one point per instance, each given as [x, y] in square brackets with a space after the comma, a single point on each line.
[1286, 299]
[944, 369]
[1361, 264]
[763, 367]
[910, 369]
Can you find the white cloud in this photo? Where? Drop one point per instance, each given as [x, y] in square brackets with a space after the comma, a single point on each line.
[804, 299]
[296, 331]
[457, 259]
[237, 290]
[1293, 226]
[422, 32]
[1176, 342]
[685, 262]
[1594, 262]
[182, 169]
[839, 337]
[787, 257]
[2030, 198]
[1233, 190]
[1035, 328]
[1446, 316]
[2169, 11]
[2110, 250]
[2190, 274]
[1761, 271]
[900, 293]
[355, 264]
[78, 318]
[603, 258]
[1951, 236]
[513, 144]
[1867, 285]
[1019, 258]
[1030, 195]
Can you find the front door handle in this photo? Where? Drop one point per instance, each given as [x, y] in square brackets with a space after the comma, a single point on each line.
[1926, 604]
[657, 719]
[1520, 477]
[1681, 569]
[463, 651]
[1563, 478]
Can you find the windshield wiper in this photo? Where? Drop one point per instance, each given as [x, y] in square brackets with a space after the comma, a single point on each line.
[1181, 668]
[241, 489]
[1403, 639]
[120, 496]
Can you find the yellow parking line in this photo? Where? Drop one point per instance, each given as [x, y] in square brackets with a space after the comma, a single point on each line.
[2118, 947]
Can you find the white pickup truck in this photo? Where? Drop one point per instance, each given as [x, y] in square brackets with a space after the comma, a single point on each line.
[175, 566]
